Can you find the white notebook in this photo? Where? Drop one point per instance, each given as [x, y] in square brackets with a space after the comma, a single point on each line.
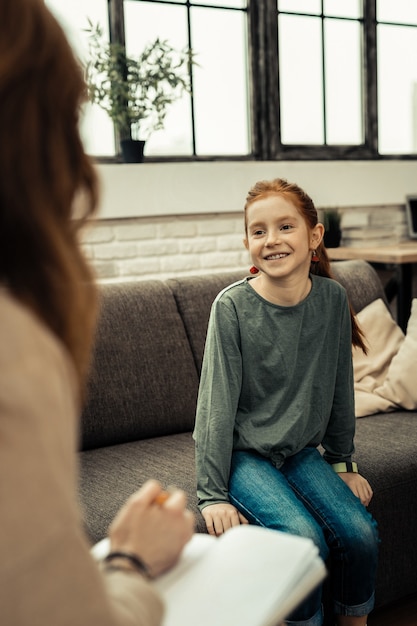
[250, 576]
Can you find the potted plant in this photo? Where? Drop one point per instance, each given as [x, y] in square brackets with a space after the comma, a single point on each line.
[135, 92]
[332, 230]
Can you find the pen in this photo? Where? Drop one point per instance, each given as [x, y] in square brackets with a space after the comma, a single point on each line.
[162, 497]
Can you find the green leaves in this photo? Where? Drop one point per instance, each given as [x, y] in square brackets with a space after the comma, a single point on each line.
[135, 92]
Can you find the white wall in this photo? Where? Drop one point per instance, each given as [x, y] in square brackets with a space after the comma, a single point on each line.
[155, 189]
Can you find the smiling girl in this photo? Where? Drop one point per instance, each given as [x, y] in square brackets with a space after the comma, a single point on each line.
[276, 383]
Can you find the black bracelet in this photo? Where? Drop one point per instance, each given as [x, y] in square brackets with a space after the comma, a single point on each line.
[134, 560]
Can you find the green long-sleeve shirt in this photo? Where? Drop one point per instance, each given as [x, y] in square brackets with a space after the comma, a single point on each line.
[274, 380]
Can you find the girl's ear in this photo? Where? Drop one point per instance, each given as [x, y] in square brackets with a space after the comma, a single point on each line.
[246, 243]
[316, 236]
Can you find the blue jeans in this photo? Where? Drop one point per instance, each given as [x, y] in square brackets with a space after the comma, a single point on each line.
[306, 497]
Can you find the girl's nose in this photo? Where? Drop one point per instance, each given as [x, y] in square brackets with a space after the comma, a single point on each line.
[272, 238]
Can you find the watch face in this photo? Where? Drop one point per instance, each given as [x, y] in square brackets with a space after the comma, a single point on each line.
[411, 212]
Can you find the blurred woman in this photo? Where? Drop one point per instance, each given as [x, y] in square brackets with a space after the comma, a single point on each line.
[47, 321]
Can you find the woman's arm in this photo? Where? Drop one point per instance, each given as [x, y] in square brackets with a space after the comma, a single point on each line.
[47, 573]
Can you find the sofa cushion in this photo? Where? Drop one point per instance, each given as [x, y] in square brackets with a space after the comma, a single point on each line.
[385, 377]
[400, 383]
[143, 381]
[110, 475]
[194, 297]
[386, 447]
[383, 338]
[360, 281]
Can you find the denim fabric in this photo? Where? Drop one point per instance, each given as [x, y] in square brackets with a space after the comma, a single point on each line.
[306, 497]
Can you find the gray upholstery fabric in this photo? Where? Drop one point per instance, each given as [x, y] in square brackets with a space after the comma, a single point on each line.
[194, 297]
[110, 475]
[386, 446]
[143, 381]
[140, 413]
[361, 282]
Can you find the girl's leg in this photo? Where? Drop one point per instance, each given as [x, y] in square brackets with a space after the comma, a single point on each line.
[349, 530]
[263, 495]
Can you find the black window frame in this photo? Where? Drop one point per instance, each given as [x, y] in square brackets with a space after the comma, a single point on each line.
[264, 100]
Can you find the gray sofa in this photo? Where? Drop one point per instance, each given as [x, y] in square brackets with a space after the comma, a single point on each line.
[139, 416]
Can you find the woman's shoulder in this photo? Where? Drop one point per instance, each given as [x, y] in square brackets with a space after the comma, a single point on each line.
[25, 338]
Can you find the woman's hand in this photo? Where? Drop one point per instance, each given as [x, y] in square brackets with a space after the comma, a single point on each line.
[156, 533]
[222, 516]
[358, 485]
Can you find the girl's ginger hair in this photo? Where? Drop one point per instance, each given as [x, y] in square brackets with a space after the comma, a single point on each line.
[44, 169]
[305, 205]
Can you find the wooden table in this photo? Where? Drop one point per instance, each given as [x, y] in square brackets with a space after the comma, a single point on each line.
[402, 255]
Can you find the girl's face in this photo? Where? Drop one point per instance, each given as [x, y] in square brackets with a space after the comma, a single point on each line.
[278, 238]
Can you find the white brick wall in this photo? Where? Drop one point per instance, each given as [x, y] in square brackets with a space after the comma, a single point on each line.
[164, 247]
[373, 226]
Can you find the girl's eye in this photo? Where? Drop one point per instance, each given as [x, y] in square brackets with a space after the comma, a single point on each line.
[258, 232]
[286, 227]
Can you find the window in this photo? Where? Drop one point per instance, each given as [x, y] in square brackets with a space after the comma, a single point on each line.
[275, 79]
[320, 81]
[214, 121]
[397, 76]
[96, 128]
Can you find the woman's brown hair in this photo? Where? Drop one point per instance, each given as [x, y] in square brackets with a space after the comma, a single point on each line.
[305, 205]
[43, 170]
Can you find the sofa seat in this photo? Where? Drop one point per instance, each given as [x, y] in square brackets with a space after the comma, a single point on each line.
[108, 476]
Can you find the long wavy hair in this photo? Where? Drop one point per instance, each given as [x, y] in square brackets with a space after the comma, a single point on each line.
[305, 205]
[43, 171]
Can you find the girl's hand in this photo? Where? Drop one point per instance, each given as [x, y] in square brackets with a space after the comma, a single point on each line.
[358, 485]
[155, 532]
[222, 516]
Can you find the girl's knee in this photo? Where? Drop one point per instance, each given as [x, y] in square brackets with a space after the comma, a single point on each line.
[303, 528]
[360, 538]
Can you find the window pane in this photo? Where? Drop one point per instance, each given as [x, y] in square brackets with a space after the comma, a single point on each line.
[343, 82]
[300, 6]
[73, 18]
[144, 22]
[96, 127]
[220, 81]
[301, 79]
[343, 8]
[399, 11]
[231, 4]
[397, 89]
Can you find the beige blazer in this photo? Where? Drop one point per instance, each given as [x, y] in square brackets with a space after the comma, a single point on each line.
[47, 576]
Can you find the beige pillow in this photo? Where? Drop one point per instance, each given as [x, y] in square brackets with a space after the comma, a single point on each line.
[400, 384]
[384, 339]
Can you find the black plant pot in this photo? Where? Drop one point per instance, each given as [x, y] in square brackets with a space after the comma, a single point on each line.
[132, 150]
[332, 238]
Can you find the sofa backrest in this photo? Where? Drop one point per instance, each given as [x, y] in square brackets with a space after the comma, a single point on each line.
[361, 282]
[149, 349]
[194, 297]
[143, 381]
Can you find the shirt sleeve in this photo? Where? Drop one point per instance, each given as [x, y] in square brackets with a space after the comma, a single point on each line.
[338, 440]
[218, 398]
